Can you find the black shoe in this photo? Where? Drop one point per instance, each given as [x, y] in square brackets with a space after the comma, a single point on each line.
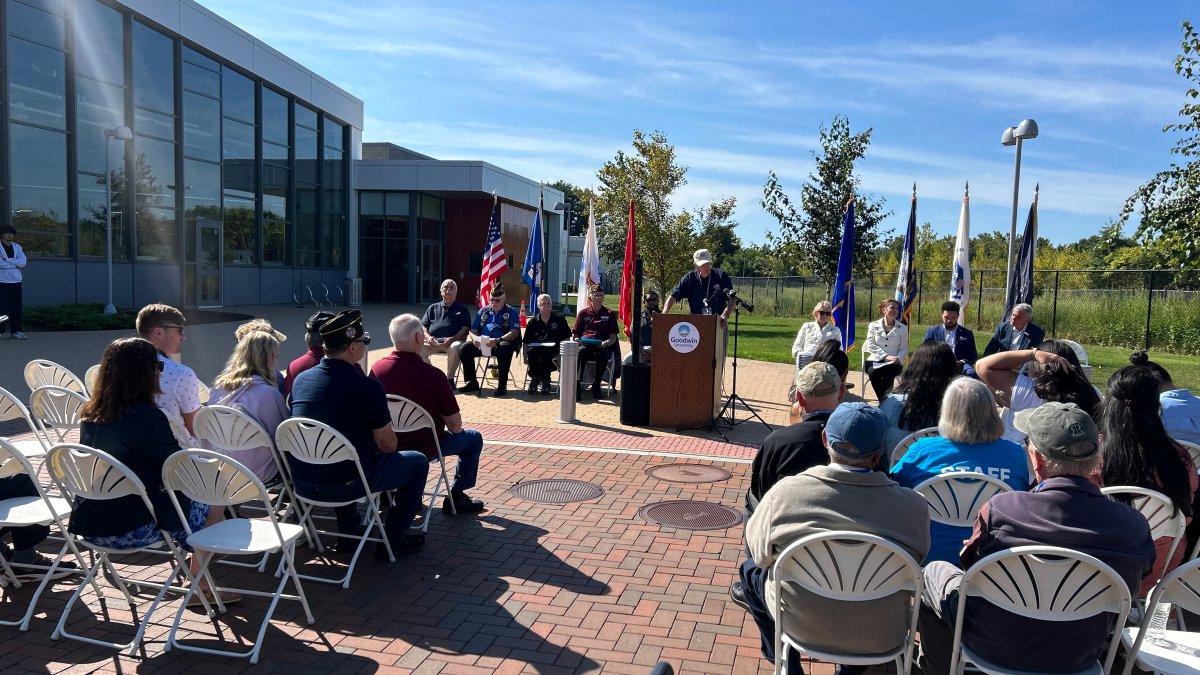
[546, 386]
[472, 385]
[598, 391]
[501, 391]
[28, 569]
[463, 504]
[533, 385]
[405, 544]
[738, 592]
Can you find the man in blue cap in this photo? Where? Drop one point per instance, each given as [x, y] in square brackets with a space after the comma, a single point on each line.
[846, 494]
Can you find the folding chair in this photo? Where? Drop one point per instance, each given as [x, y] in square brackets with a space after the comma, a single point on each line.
[955, 498]
[11, 408]
[1048, 583]
[1164, 519]
[311, 442]
[231, 431]
[89, 379]
[88, 473]
[1193, 451]
[850, 567]
[1180, 588]
[608, 377]
[204, 392]
[40, 373]
[557, 369]
[408, 416]
[906, 442]
[1083, 357]
[56, 411]
[487, 366]
[208, 477]
[39, 509]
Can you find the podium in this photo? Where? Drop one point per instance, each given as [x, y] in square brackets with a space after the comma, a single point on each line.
[688, 368]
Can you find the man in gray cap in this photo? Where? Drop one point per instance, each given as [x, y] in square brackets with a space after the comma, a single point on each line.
[706, 289]
[1066, 509]
[316, 352]
[844, 495]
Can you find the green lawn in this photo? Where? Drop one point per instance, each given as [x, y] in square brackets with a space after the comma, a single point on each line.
[768, 338]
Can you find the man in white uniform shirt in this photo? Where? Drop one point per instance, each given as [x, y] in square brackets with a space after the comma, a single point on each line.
[179, 399]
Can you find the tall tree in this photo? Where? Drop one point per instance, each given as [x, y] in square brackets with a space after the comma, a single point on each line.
[715, 229]
[814, 233]
[648, 176]
[577, 199]
[1169, 203]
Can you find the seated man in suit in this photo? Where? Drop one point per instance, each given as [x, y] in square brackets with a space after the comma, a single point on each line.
[960, 338]
[1019, 332]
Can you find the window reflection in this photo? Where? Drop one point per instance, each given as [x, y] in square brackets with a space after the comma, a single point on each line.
[153, 69]
[36, 84]
[39, 189]
[99, 41]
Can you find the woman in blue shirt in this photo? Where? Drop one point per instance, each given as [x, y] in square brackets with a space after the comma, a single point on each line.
[970, 440]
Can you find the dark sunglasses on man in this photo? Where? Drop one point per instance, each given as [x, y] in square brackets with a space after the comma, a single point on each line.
[365, 339]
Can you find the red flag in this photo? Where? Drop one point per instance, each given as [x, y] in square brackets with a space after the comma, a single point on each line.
[625, 311]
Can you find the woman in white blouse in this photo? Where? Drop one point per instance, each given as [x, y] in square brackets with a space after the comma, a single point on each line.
[815, 332]
[886, 348]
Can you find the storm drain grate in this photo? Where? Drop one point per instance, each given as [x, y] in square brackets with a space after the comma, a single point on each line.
[691, 515]
[556, 491]
[688, 473]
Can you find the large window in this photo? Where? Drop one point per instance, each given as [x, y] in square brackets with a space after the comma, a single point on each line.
[333, 179]
[307, 175]
[276, 176]
[239, 168]
[201, 150]
[154, 161]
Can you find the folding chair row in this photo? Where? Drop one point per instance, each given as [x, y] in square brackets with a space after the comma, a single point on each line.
[52, 414]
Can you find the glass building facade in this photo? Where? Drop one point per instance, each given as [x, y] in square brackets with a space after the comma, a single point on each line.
[225, 171]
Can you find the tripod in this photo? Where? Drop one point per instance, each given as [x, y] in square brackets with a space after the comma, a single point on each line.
[733, 399]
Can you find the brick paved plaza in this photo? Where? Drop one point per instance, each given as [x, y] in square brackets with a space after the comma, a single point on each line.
[524, 587]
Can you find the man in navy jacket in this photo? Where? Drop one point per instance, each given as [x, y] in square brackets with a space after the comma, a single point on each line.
[960, 338]
[1019, 332]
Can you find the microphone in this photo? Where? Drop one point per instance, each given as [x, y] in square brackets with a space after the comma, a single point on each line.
[732, 295]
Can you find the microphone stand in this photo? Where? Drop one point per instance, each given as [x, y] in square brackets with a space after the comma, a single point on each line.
[734, 398]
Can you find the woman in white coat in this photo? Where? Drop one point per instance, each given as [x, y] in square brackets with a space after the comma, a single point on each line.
[886, 348]
[813, 333]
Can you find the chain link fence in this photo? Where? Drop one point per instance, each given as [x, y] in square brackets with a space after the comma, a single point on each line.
[1130, 309]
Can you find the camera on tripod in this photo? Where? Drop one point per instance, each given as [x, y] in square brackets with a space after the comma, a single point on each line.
[732, 295]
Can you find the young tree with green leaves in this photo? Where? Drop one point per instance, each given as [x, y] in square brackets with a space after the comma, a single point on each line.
[576, 198]
[813, 234]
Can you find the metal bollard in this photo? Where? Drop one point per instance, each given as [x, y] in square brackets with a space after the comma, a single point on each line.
[568, 377]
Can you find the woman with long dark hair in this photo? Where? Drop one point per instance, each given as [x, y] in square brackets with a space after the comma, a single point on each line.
[121, 418]
[1053, 374]
[916, 402]
[1138, 452]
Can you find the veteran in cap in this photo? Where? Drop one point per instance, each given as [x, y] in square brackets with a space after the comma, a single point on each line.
[496, 331]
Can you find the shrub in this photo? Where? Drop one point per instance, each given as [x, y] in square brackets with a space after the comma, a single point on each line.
[77, 317]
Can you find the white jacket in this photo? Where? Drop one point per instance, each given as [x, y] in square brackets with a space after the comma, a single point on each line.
[10, 268]
[811, 336]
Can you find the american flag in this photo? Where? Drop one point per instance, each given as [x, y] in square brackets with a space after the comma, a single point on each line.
[494, 261]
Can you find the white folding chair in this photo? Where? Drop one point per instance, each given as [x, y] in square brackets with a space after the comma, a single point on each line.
[955, 498]
[39, 509]
[608, 377]
[1048, 583]
[312, 442]
[209, 477]
[407, 416]
[484, 368]
[204, 392]
[906, 442]
[232, 431]
[11, 408]
[91, 474]
[1193, 451]
[1164, 519]
[1082, 354]
[89, 379]
[1178, 654]
[40, 373]
[850, 567]
[56, 412]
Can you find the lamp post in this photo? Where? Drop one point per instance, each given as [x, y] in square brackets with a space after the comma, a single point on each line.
[120, 134]
[1014, 136]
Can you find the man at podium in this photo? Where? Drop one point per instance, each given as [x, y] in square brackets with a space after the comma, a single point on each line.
[705, 288]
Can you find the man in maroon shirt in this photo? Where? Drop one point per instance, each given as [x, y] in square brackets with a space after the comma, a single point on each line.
[596, 330]
[404, 373]
[312, 337]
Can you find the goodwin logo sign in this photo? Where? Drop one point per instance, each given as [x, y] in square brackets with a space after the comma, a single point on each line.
[683, 337]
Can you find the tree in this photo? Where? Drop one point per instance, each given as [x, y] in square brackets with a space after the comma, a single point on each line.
[577, 199]
[1169, 203]
[649, 176]
[814, 234]
[715, 229]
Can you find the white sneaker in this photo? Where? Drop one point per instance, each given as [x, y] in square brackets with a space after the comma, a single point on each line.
[18, 335]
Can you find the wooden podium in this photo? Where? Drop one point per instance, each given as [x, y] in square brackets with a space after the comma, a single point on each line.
[684, 369]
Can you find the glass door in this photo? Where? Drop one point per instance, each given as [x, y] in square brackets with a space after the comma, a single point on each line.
[209, 249]
[431, 270]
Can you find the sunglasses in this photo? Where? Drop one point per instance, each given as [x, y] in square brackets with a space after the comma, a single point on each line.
[825, 313]
[365, 339]
[178, 328]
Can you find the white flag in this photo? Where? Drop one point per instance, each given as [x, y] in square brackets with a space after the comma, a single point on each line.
[589, 266]
[960, 280]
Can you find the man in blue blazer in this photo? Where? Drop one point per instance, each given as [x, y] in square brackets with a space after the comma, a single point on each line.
[1019, 332]
[960, 338]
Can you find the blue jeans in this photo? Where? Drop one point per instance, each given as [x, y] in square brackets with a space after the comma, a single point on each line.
[404, 471]
[467, 446]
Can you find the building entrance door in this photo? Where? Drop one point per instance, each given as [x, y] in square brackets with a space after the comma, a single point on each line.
[209, 250]
[431, 270]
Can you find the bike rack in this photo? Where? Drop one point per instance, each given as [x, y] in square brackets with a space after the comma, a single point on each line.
[299, 292]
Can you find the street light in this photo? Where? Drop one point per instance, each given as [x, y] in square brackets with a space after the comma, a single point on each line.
[1014, 136]
[120, 134]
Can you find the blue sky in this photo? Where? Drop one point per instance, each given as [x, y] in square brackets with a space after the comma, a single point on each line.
[552, 90]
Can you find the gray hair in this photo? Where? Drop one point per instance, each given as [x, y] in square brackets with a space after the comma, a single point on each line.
[1024, 308]
[446, 283]
[546, 297]
[824, 304]
[863, 461]
[403, 328]
[1064, 467]
[969, 413]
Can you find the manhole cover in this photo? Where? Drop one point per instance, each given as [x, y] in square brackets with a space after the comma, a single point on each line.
[688, 473]
[556, 491]
[691, 515]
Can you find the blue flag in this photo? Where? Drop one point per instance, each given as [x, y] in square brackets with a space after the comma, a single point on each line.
[906, 281]
[843, 286]
[531, 273]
